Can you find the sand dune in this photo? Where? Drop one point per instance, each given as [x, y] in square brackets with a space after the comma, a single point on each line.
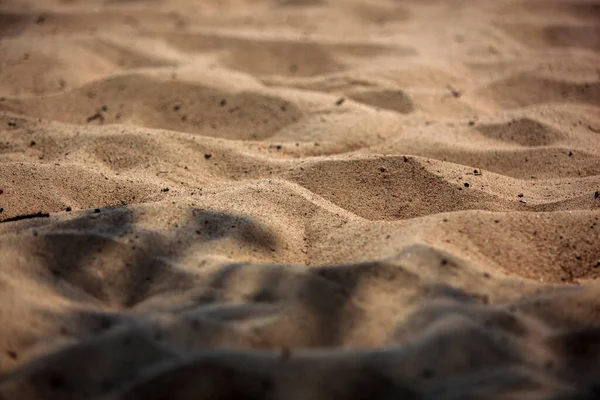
[324, 199]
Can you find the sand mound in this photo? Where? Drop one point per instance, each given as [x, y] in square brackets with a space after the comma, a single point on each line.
[292, 199]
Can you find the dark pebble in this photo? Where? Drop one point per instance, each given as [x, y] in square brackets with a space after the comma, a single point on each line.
[68, 209]
[520, 195]
[164, 190]
[223, 103]
[471, 123]
[97, 210]
[176, 107]
[467, 184]
[570, 153]
[207, 155]
[32, 143]
[596, 194]
[340, 101]
[382, 169]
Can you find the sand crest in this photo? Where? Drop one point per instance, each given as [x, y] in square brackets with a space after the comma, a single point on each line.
[299, 199]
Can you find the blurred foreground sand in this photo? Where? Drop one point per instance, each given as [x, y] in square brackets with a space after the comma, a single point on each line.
[301, 199]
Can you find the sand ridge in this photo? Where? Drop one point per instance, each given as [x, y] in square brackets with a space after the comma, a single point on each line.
[325, 199]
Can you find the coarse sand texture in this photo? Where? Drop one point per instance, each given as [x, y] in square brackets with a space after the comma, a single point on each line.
[299, 199]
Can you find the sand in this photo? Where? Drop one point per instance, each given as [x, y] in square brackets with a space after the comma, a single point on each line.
[299, 199]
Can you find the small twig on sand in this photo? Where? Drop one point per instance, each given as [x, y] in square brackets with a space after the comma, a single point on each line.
[26, 216]
[95, 117]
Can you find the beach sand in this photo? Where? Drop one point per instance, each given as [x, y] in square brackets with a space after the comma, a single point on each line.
[299, 199]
